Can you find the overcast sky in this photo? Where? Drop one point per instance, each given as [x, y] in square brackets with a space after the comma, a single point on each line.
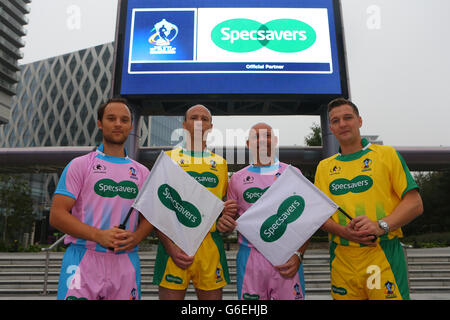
[397, 51]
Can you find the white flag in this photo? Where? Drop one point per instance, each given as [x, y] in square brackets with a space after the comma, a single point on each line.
[285, 216]
[176, 204]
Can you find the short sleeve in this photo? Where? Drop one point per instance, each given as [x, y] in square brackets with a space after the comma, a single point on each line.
[401, 178]
[224, 178]
[231, 194]
[71, 181]
[317, 181]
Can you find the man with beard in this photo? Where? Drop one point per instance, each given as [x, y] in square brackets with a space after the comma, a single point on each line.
[208, 269]
[93, 196]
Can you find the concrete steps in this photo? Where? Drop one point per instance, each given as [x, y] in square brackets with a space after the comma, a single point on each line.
[22, 275]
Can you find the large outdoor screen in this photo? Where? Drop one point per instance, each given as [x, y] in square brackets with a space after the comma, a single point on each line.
[195, 47]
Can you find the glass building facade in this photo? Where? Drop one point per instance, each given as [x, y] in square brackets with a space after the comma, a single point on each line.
[12, 21]
[56, 106]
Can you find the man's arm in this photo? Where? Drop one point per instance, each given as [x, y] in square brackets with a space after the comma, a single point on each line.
[346, 232]
[226, 222]
[179, 257]
[63, 220]
[290, 268]
[128, 240]
[409, 208]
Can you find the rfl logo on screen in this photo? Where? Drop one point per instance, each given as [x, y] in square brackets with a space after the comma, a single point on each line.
[164, 33]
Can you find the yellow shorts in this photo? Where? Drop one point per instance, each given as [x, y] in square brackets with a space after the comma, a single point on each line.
[374, 273]
[209, 271]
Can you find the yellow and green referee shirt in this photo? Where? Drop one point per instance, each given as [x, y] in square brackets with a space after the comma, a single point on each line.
[209, 169]
[369, 182]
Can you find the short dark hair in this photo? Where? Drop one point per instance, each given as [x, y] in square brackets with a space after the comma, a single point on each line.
[101, 109]
[340, 102]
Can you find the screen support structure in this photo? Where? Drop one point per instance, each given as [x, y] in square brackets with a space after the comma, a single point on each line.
[132, 143]
[329, 141]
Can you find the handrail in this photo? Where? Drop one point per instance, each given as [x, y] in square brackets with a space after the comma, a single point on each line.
[55, 244]
[47, 260]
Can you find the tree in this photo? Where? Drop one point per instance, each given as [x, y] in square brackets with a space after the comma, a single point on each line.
[315, 137]
[16, 208]
[434, 187]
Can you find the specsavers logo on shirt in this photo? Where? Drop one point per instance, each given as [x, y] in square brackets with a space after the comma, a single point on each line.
[281, 35]
[252, 195]
[206, 179]
[108, 188]
[290, 210]
[187, 214]
[356, 185]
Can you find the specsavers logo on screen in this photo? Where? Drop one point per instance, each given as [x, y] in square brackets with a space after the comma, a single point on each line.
[280, 35]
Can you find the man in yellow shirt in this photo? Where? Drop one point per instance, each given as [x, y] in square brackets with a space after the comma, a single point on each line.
[372, 183]
[208, 269]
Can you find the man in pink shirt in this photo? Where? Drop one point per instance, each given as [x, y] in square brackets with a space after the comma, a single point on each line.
[257, 278]
[93, 197]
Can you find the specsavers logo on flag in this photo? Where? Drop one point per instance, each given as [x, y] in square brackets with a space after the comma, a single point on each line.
[290, 210]
[177, 204]
[285, 216]
[187, 214]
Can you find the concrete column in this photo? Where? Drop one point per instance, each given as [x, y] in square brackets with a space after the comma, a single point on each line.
[132, 143]
[329, 141]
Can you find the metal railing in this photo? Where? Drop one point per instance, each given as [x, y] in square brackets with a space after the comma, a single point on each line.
[47, 261]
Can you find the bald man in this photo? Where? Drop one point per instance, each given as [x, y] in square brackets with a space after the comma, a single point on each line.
[208, 269]
[257, 278]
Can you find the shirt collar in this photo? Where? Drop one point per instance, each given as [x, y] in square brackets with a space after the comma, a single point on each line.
[101, 148]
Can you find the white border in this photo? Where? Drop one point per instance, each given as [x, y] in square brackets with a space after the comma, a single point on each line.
[130, 62]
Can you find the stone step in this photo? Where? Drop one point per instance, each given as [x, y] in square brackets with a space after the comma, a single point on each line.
[23, 274]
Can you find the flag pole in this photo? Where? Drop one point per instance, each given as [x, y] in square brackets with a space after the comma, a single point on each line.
[123, 225]
[345, 213]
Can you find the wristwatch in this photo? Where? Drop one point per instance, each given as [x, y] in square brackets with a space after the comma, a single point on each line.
[299, 255]
[383, 225]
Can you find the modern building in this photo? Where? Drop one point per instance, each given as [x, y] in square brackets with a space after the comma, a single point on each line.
[12, 21]
[373, 139]
[56, 106]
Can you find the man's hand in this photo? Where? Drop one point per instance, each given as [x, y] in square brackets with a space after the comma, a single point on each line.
[180, 258]
[290, 268]
[231, 208]
[365, 227]
[108, 237]
[363, 230]
[125, 240]
[346, 232]
[226, 222]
